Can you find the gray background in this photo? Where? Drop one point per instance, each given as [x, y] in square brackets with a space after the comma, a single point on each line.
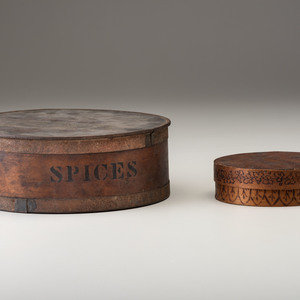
[227, 74]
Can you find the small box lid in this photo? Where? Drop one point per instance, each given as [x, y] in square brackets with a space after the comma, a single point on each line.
[261, 170]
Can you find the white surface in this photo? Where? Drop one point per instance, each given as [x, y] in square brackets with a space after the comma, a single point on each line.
[188, 247]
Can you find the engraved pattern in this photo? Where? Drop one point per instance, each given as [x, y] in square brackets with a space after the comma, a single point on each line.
[254, 197]
[257, 177]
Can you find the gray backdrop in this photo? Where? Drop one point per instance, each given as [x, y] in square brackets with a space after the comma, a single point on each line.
[227, 74]
[159, 50]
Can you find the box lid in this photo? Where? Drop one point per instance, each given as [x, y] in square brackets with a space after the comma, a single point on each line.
[262, 170]
[76, 131]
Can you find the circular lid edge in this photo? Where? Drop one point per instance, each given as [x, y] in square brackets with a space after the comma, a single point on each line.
[218, 161]
[88, 137]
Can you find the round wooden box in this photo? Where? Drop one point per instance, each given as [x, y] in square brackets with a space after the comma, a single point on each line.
[68, 161]
[259, 179]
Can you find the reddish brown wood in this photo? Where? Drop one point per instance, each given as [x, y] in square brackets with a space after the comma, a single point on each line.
[259, 179]
[64, 161]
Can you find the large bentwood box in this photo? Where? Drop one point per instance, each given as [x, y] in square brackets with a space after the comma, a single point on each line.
[66, 161]
[259, 179]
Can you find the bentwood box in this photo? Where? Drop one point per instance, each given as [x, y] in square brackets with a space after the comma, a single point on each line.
[66, 161]
[259, 179]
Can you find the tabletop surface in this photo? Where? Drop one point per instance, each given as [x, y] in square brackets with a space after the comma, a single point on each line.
[262, 160]
[74, 123]
[189, 246]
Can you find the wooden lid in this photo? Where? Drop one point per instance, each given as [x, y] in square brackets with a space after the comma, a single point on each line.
[250, 173]
[74, 131]
[76, 123]
[263, 170]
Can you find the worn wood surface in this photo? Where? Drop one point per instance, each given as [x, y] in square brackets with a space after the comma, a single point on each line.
[76, 123]
[63, 161]
[258, 179]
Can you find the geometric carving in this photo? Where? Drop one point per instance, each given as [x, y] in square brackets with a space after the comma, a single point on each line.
[255, 197]
[257, 177]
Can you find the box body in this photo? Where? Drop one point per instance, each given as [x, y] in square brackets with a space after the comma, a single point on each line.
[85, 173]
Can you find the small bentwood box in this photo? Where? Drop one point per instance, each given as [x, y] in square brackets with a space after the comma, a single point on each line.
[259, 179]
[70, 160]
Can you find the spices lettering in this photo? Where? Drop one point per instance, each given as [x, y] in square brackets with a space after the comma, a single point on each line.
[101, 171]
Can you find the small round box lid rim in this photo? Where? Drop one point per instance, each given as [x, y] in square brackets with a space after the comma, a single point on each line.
[277, 160]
